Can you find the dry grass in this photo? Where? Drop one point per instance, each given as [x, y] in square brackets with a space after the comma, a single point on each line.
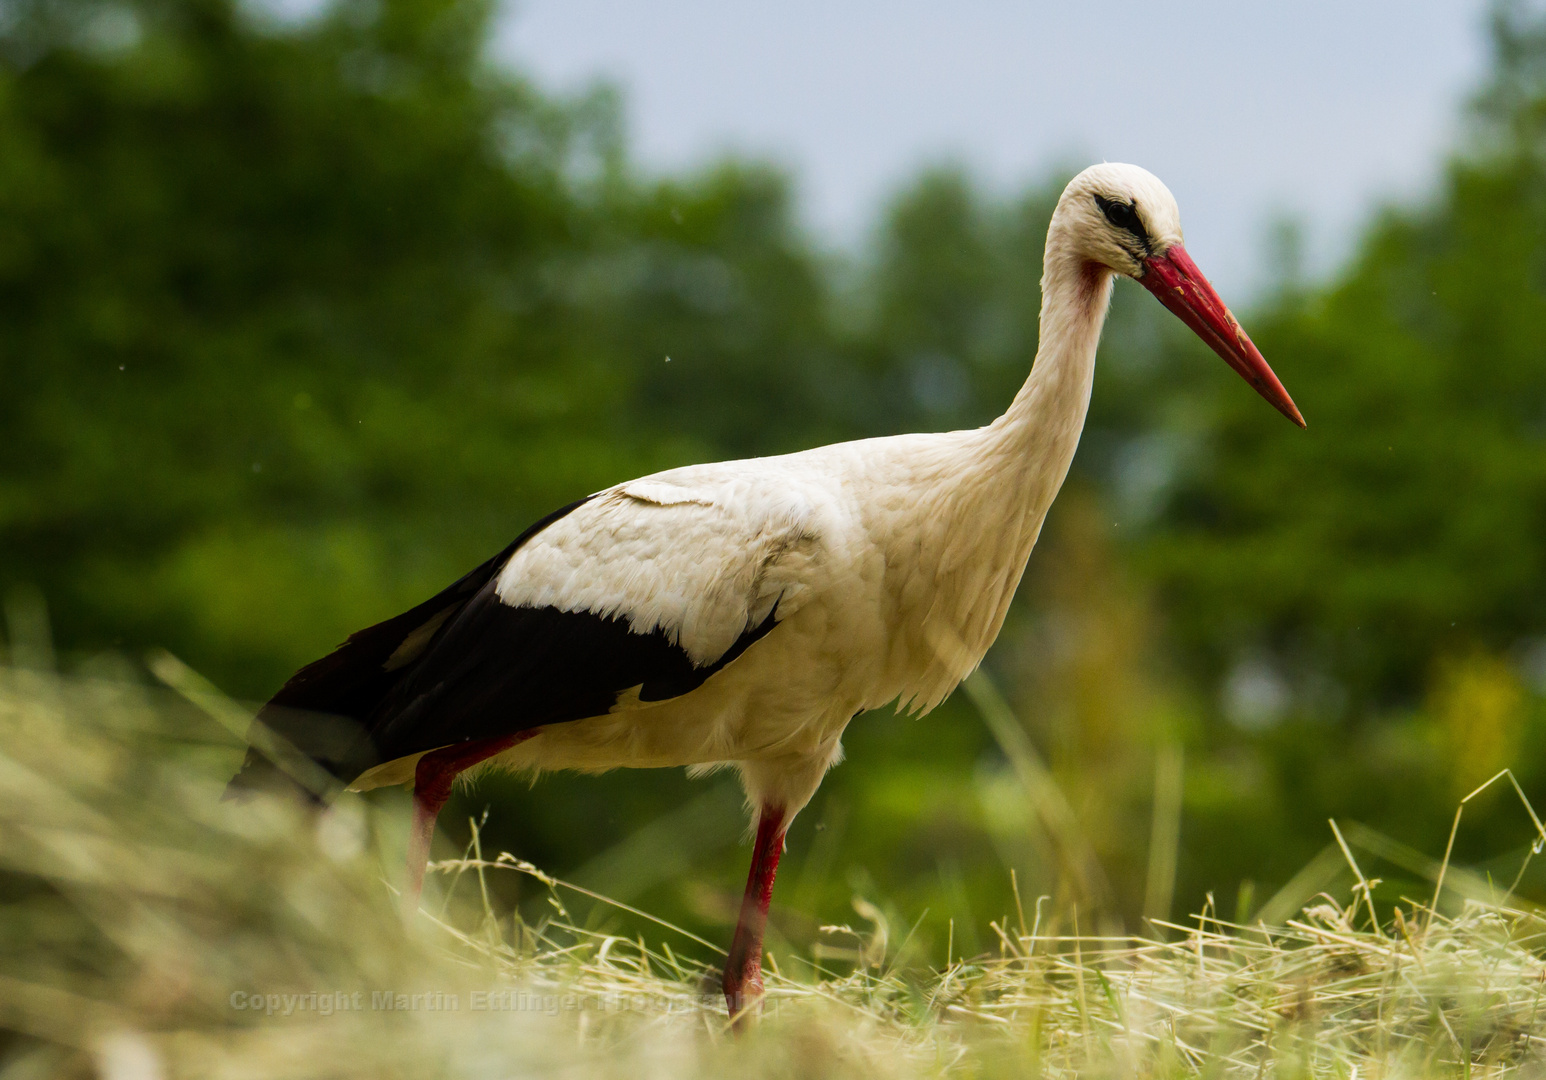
[140, 912]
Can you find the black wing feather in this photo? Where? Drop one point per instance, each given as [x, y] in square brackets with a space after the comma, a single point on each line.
[327, 705]
[481, 669]
[499, 670]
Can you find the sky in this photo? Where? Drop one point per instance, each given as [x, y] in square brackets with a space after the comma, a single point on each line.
[1315, 109]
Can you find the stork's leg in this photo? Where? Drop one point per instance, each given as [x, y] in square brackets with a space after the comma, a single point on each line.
[743, 967]
[432, 780]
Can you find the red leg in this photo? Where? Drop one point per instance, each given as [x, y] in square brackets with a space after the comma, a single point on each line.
[432, 780]
[743, 967]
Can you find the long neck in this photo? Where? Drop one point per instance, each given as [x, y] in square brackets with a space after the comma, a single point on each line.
[1032, 445]
[973, 545]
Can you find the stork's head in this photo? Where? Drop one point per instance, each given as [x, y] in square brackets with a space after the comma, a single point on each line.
[1121, 217]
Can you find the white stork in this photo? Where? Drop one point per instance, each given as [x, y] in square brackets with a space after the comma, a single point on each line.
[742, 613]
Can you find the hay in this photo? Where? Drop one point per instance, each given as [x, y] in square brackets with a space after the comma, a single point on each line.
[151, 930]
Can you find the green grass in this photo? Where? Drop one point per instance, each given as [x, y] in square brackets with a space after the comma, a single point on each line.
[150, 930]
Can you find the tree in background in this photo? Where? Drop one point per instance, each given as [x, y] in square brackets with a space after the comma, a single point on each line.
[1370, 596]
[300, 320]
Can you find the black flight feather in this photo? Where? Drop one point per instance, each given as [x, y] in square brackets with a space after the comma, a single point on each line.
[465, 666]
[499, 670]
[324, 707]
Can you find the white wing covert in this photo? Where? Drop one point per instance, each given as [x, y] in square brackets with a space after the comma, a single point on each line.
[701, 562]
[635, 595]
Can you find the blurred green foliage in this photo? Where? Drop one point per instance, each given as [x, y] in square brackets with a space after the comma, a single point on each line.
[299, 320]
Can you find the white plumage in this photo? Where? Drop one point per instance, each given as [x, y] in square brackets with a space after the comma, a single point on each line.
[700, 553]
[833, 581]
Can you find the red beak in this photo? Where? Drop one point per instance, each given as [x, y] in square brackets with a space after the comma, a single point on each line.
[1180, 286]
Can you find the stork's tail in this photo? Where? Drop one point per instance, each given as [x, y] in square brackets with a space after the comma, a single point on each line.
[276, 765]
[260, 775]
[315, 735]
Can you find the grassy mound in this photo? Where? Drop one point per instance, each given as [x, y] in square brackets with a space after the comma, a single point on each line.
[150, 930]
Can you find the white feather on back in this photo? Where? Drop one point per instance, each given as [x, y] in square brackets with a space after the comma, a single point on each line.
[701, 553]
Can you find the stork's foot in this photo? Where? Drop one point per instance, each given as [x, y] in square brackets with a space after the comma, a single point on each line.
[426, 809]
[743, 991]
[742, 982]
[743, 967]
[433, 778]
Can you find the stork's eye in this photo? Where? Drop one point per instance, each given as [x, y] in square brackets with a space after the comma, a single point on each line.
[1122, 215]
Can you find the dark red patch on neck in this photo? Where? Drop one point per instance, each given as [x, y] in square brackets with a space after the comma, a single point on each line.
[1093, 277]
